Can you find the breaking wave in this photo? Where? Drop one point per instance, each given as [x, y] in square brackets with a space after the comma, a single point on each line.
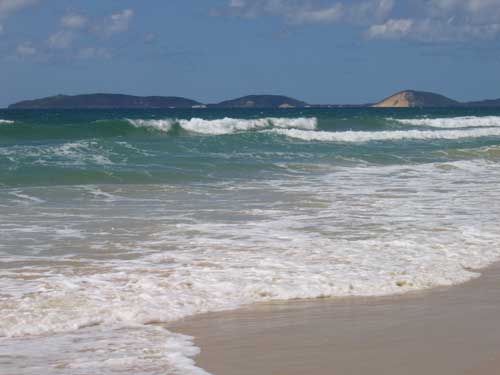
[366, 136]
[226, 125]
[6, 121]
[161, 125]
[452, 122]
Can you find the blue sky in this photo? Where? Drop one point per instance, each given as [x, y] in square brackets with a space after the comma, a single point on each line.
[320, 51]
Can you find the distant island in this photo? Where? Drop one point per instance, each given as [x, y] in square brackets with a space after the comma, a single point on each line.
[402, 99]
[119, 101]
[105, 101]
[422, 99]
[262, 101]
[410, 98]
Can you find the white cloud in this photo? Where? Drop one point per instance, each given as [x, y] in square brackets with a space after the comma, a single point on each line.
[73, 21]
[456, 20]
[309, 11]
[433, 30]
[473, 6]
[429, 20]
[363, 12]
[293, 11]
[392, 29]
[119, 22]
[26, 49]
[323, 15]
[61, 40]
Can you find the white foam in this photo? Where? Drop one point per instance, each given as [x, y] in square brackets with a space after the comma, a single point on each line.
[161, 125]
[75, 153]
[305, 123]
[452, 122]
[366, 136]
[145, 350]
[232, 125]
[227, 125]
[222, 126]
[365, 231]
[6, 121]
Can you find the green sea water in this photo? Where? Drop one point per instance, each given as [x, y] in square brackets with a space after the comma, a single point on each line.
[87, 147]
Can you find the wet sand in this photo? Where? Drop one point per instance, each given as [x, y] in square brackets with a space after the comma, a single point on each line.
[443, 331]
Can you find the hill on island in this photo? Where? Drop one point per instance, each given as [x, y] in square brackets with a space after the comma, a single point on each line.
[261, 101]
[411, 98]
[105, 101]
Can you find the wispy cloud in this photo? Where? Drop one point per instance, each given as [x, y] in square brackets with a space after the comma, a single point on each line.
[321, 15]
[78, 38]
[61, 40]
[392, 29]
[26, 49]
[306, 11]
[430, 20]
[119, 22]
[444, 21]
[73, 21]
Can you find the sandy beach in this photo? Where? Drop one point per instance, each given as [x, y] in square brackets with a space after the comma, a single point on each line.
[453, 330]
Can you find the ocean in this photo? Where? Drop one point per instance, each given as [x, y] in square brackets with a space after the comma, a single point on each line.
[114, 223]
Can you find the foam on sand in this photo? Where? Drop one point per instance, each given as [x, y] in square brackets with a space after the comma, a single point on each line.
[452, 122]
[396, 135]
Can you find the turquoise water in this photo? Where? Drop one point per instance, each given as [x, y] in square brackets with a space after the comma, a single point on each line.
[115, 223]
[88, 147]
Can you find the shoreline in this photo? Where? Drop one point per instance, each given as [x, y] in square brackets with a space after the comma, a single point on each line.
[445, 330]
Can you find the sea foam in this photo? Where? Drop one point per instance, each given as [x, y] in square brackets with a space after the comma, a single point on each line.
[161, 125]
[366, 231]
[6, 121]
[395, 135]
[452, 122]
[226, 125]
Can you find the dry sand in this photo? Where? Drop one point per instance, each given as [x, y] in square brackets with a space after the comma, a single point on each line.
[443, 331]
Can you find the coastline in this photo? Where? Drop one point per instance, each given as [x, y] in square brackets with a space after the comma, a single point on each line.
[445, 330]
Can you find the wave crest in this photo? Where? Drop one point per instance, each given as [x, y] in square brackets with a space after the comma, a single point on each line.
[366, 136]
[226, 125]
[452, 122]
[161, 125]
[2, 121]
